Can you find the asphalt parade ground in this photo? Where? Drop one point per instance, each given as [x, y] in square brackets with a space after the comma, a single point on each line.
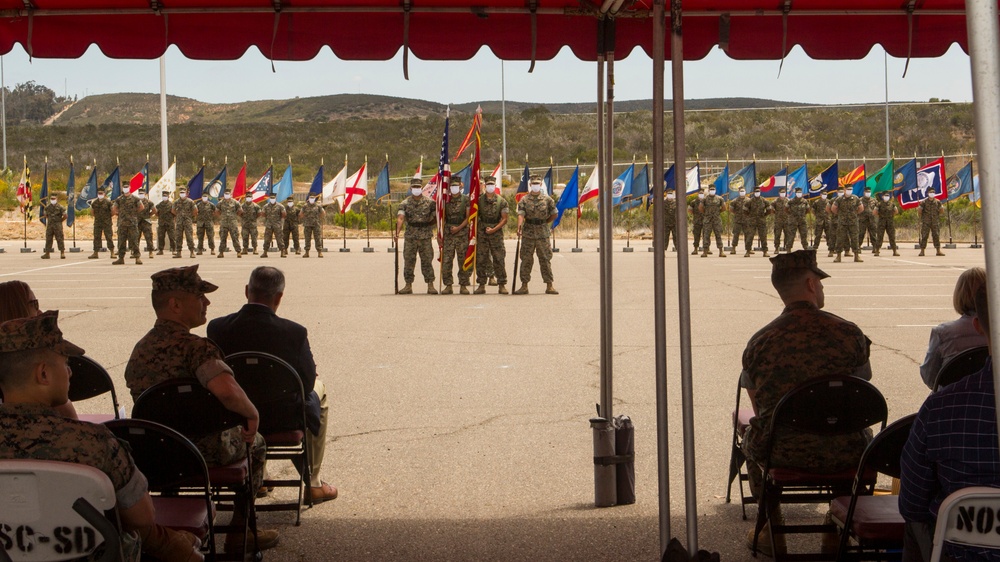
[459, 424]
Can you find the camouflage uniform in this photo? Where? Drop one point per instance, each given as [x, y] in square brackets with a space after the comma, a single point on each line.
[145, 224]
[783, 355]
[756, 212]
[165, 225]
[930, 223]
[101, 209]
[184, 210]
[797, 209]
[312, 215]
[847, 224]
[712, 207]
[456, 210]
[866, 221]
[670, 222]
[274, 215]
[738, 219]
[780, 209]
[128, 207]
[886, 211]
[228, 224]
[490, 251]
[822, 226]
[697, 221]
[206, 226]
[291, 227]
[55, 214]
[418, 215]
[537, 211]
[251, 211]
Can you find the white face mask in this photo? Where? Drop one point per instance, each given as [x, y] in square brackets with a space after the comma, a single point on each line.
[271, 200]
[797, 195]
[701, 196]
[868, 194]
[291, 203]
[535, 187]
[100, 196]
[416, 191]
[756, 194]
[164, 197]
[712, 192]
[204, 197]
[782, 195]
[53, 200]
[822, 196]
[885, 197]
[184, 195]
[670, 196]
[228, 196]
[491, 188]
[742, 193]
[312, 200]
[455, 190]
[140, 195]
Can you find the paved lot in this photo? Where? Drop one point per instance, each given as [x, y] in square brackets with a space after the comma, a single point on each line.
[460, 423]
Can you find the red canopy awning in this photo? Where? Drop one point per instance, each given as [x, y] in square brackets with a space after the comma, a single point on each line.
[456, 30]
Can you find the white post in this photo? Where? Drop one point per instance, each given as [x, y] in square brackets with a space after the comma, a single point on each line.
[164, 151]
[3, 112]
[503, 119]
[888, 154]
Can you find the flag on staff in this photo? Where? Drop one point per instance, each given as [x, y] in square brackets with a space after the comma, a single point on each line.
[260, 190]
[721, 182]
[465, 174]
[640, 188]
[745, 178]
[140, 180]
[881, 180]
[522, 188]
[113, 183]
[799, 179]
[419, 174]
[771, 185]
[444, 179]
[70, 195]
[825, 181]
[166, 183]
[336, 188]
[474, 189]
[931, 175]
[855, 180]
[905, 178]
[497, 173]
[382, 183]
[668, 184]
[622, 185]
[430, 189]
[357, 188]
[240, 187]
[975, 198]
[24, 190]
[283, 189]
[591, 188]
[196, 185]
[547, 181]
[477, 121]
[692, 180]
[217, 187]
[42, 199]
[89, 192]
[316, 188]
[960, 183]
[570, 197]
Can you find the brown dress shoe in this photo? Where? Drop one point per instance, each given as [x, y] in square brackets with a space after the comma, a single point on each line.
[320, 494]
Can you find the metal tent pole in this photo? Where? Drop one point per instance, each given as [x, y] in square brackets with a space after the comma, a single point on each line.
[984, 54]
[164, 151]
[606, 218]
[601, 164]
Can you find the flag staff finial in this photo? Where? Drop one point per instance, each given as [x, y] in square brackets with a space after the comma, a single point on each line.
[117, 161]
[289, 159]
[70, 159]
[322, 161]
[226, 160]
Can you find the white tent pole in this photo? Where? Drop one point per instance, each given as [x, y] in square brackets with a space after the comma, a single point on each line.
[683, 277]
[164, 151]
[984, 54]
[659, 279]
[605, 218]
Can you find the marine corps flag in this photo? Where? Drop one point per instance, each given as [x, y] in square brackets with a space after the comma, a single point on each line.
[474, 189]
[70, 197]
[24, 190]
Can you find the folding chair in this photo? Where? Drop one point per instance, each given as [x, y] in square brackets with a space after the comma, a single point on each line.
[90, 379]
[276, 391]
[177, 476]
[187, 407]
[960, 366]
[874, 521]
[826, 406]
[737, 460]
[971, 517]
[51, 510]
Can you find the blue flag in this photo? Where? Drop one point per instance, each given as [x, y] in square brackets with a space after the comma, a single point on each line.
[960, 183]
[465, 174]
[746, 179]
[825, 181]
[196, 185]
[217, 187]
[722, 182]
[570, 198]
[622, 185]
[283, 189]
[70, 203]
[382, 183]
[522, 188]
[905, 178]
[89, 192]
[547, 182]
[668, 185]
[640, 188]
[113, 184]
[43, 198]
[975, 191]
[799, 179]
[316, 189]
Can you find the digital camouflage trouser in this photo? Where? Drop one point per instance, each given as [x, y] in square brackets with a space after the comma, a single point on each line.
[490, 256]
[230, 231]
[530, 247]
[423, 247]
[455, 247]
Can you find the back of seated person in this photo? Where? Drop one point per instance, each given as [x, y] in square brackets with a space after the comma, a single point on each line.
[952, 338]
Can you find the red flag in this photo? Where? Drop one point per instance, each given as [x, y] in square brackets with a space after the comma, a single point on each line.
[470, 251]
[24, 189]
[240, 189]
[474, 129]
[139, 180]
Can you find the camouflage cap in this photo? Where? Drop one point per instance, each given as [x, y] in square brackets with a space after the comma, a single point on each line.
[416, 182]
[101, 190]
[456, 180]
[801, 259]
[181, 279]
[490, 180]
[36, 332]
[535, 179]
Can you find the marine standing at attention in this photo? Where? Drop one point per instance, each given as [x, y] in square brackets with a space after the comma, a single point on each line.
[535, 212]
[417, 212]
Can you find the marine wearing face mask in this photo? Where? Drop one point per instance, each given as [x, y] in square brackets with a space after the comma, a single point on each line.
[418, 214]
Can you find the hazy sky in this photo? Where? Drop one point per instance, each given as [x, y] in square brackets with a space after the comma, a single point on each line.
[563, 79]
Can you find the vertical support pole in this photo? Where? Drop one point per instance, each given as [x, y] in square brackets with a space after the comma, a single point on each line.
[164, 151]
[503, 117]
[601, 164]
[605, 225]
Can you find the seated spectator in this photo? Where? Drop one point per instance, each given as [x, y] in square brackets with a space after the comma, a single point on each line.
[951, 338]
[35, 378]
[17, 300]
[802, 343]
[257, 327]
[952, 445]
[170, 351]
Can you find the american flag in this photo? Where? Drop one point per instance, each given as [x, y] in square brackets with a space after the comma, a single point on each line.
[444, 173]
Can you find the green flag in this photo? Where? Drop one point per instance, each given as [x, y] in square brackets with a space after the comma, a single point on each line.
[882, 179]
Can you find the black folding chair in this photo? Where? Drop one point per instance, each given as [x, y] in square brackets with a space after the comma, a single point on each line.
[90, 379]
[177, 475]
[874, 522]
[968, 362]
[187, 407]
[828, 407]
[737, 460]
[276, 391]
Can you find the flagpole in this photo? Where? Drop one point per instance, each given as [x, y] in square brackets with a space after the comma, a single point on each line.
[947, 207]
[27, 209]
[343, 213]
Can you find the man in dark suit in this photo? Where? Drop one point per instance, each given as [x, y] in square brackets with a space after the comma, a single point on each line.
[257, 327]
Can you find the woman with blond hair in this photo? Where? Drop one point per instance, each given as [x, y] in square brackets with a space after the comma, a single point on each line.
[952, 338]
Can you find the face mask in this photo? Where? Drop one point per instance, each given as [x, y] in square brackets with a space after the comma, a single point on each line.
[291, 204]
[228, 196]
[701, 196]
[271, 200]
[885, 197]
[535, 188]
[783, 195]
[868, 194]
[141, 195]
[742, 193]
[822, 196]
[184, 195]
[455, 190]
[798, 194]
[53, 200]
[670, 196]
[312, 200]
[204, 198]
[100, 196]
[164, 197]
[756, 194]
[712, 192]
[416, 191]
[491, 188]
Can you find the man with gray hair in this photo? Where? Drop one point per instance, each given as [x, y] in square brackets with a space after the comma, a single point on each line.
[257, 327]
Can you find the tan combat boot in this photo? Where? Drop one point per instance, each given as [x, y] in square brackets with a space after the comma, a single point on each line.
[894, 252]
[45, 256]
[876, 252]
[119, 261]
[766, 254]
[159, 252]
[464, 290]
[747, 254]
[857, 258]
[213, 251]
[695, 252]
[481, 289]
[200, 251]
[939, 252]
[921, 252]
[319, 253]
[192, 253]
[721, 253]
[704, 254]
[168, 544]
[550, 290]
[306, 255]
[447, 290]
[263, 254]
[493, 281]
[829, 254]
[837, 259]
[431, 290]
[407, 289]
[221, 254]
[93, 256]
[151, 254]
[177, 254]
[284, 253]
[137, 260]
[503, 289]
[732, 250]
[523, 290]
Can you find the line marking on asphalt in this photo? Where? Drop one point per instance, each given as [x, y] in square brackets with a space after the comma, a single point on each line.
[915, 325]
[42, 268]
[904, 308]
[91, 298]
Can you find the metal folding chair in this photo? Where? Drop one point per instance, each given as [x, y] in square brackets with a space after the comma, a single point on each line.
[960, 366]
[968, 517]
[737, 460]
[90, 379]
